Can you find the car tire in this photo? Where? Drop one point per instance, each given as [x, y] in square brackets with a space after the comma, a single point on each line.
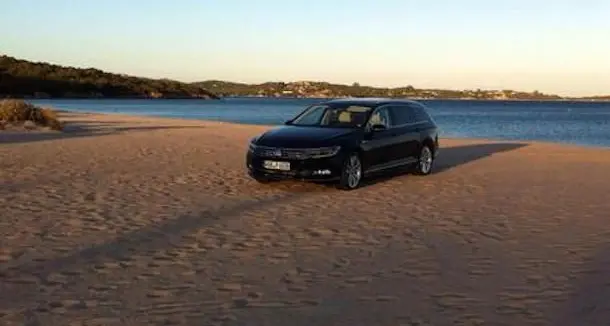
[425, 161]
[351, 173]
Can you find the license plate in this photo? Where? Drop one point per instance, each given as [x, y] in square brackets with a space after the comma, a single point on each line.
[275, 165]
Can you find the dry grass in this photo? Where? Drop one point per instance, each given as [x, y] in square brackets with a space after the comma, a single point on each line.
[18, 111]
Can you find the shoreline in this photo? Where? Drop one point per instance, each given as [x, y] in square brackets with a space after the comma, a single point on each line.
[220, 98]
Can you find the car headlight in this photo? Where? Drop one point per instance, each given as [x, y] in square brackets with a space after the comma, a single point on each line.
[323, 151]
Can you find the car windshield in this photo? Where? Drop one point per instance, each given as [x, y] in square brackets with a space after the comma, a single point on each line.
[348, 116]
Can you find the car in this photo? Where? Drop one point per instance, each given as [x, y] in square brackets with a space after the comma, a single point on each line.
[346, 140]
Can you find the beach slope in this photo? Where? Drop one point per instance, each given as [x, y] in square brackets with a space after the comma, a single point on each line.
[136, 221]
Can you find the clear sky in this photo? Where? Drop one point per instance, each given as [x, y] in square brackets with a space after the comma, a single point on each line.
[560, 46]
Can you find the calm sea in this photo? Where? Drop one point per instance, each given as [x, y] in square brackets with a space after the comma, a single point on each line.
[583, 123]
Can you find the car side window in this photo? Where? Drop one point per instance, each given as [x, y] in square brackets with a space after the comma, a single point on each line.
[381, 116]
[420, 113]
[403, 115]
[406, 114]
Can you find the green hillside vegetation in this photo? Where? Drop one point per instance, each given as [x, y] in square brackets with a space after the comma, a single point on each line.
[324, 89]
[598, 98]
[26, 79]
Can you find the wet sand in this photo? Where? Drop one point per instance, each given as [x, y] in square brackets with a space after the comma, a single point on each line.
[138, 221]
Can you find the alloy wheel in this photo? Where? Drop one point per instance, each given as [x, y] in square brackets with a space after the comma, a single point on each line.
[353, 171]
[425, 160]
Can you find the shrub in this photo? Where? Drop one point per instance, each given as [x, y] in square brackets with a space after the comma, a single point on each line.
[18, 111]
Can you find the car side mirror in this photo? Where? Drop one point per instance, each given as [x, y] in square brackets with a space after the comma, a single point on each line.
[378, 127]
[288, 122]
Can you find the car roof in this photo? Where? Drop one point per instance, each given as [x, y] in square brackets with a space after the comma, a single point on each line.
[368, 101]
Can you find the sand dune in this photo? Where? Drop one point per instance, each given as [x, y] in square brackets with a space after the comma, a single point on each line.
[138, 221]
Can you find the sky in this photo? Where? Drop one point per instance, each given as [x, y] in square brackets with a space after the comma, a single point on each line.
[560, 47]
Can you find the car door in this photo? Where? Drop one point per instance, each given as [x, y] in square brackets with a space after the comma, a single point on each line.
[378, 145]
[407, 133]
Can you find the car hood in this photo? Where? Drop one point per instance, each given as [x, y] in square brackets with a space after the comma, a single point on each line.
[300, 137]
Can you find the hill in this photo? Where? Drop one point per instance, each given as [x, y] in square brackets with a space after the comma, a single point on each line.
[26, 79]
[324, 89]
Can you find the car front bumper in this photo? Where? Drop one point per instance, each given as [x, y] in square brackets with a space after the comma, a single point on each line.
[318, 169]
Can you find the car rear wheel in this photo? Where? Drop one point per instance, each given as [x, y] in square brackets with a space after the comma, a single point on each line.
[425, 161]
[351, 174]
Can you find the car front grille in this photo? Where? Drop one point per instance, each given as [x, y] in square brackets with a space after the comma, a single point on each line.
[283, 153]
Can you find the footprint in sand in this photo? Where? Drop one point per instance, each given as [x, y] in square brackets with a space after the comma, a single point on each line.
[177, 253]
[453, 301]
[342, 262]
[148, 275]
[423, 274]
[156, 293]
[290, 277]
[103, 288]
[279, 257]
[62, 306]
[5, 255]
[296, 288]
[470, 320]
[512, 308]
[359, 280]
[245, 245]
[379, 298]
[303, 270]
[55, 280]
[270, 304]
[160, 261]
[336, 274]
[230, 287]
[127, 262]
[319, 232]
[177, 287]
[284, 304]
[210, 245]
[102, 321]
[163, 308]
[71, 273]
[310, 247]
[255, 295]
[224, 318]
[411, 321]
[24, 280]
[241, 302]
[310, 302]
[107, 266]
[90, 196]
[192, 248]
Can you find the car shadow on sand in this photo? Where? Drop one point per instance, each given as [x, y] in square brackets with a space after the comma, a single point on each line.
[455, 156]
[451, 157]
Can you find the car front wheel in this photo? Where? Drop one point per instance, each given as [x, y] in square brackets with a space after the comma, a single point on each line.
[425, 161]
[351, 174]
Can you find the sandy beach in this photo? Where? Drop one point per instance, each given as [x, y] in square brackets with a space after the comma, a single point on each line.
[125, 220]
